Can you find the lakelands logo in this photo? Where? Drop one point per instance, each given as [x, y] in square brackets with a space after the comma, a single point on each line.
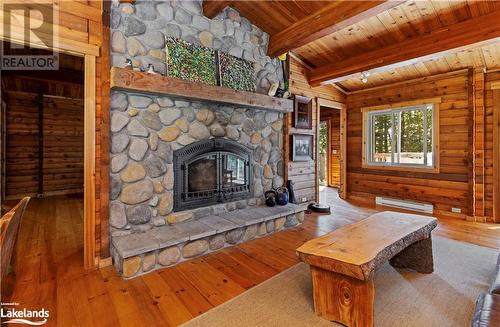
[23, 316]
[29, 27]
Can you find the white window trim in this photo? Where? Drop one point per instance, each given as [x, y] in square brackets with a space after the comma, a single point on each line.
[369, 112]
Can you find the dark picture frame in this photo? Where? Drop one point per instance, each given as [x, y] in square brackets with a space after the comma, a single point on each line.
[302, 147]
[302, 107]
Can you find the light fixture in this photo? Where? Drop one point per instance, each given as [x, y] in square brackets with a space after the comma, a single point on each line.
[364, 77]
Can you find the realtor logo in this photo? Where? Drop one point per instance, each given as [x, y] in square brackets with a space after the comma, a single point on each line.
[9, 315]
[31, 30]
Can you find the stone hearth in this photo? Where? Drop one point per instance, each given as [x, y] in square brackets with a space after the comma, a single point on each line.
[139, 253]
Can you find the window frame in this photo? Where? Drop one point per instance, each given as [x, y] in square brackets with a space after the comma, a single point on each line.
[369, 112]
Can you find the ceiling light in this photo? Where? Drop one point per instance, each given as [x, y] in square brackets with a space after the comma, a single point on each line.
[364, 77]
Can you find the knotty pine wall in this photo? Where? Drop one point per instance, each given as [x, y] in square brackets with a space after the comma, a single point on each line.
[304, 174]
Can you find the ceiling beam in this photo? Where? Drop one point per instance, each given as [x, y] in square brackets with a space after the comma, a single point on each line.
[327, 20]
[475, 32]
[212, 7]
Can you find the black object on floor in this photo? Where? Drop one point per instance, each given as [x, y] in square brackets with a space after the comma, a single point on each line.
[321, 208]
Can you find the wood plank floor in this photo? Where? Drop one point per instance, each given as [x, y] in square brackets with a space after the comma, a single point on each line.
[49, 272]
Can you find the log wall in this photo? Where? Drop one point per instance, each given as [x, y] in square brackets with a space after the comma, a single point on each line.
[304, 174]
[465, 177]
[44, 136]
[446, 189]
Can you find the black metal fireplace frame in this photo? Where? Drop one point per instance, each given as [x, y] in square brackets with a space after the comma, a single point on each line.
[219, 147]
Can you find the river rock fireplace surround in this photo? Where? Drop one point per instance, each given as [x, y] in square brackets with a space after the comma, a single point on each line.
[188, 177]
[167, 134]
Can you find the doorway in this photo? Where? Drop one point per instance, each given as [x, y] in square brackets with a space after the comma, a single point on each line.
[331, 148]
[42, 144]
[329, 173]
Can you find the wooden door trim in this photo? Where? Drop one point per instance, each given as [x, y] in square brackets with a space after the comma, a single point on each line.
[89, 162]
[496, 155]
[343, 142]
[328, 152]
[316, 166]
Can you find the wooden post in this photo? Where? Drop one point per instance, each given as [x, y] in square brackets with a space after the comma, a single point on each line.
[89, 164]
[496, 155]
[328, 164]
[470, 142]
[104, 130]
[479, 144]
[316, 168]
[343, 152]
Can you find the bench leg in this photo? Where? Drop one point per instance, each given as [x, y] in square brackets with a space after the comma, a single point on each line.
[343, 299]
[417, 256]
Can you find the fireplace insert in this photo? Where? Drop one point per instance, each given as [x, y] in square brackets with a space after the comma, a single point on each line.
[211, 171]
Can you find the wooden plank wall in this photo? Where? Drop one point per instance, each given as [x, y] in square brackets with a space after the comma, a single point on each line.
[303, 174]
[446, 189]
[59, 122]
[21, 145]
[63, 145]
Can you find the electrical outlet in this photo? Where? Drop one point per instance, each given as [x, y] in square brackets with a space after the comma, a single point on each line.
[304, 199]
[456, 210]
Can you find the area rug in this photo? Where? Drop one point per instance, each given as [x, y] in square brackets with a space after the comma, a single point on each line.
[403, 298]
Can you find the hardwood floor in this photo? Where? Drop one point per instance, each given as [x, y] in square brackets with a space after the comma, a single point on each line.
[50, 275]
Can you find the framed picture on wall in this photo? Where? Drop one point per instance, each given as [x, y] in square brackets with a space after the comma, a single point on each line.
[302, 147]
[302, 112]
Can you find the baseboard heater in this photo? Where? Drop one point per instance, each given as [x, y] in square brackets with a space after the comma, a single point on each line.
[404, 204]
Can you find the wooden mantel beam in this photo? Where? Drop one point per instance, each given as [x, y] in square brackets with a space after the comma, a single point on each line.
[329, 19]
[475, 32]
[212, 7]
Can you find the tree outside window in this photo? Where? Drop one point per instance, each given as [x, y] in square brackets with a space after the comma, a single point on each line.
[400, 137]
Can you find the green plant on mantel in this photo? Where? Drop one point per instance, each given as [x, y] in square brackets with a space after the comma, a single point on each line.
[191, 62]
[236, 73]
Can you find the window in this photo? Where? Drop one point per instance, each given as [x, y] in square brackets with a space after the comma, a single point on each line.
[400, 137]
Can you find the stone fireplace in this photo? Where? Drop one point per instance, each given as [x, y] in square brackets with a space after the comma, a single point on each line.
[211, 171]
[187, 176]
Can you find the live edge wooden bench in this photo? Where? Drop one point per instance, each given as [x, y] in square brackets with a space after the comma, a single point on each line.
[343, 262]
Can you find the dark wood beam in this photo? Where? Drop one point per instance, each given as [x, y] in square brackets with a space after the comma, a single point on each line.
[212, 7]
[329, 19]
[475, 32]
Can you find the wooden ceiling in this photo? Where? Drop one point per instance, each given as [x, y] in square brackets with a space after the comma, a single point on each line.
[375, 29]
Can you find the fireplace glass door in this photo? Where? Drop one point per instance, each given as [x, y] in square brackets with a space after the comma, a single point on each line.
[202, 176]
[212, 171]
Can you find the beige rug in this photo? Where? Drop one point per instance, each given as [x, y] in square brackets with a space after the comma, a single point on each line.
[403, 298]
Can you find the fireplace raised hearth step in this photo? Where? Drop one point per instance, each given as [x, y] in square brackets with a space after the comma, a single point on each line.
[138, 253]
